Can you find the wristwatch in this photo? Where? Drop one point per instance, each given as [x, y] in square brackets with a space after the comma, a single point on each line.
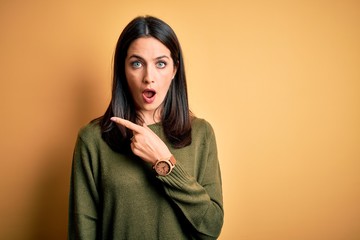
[164, 167]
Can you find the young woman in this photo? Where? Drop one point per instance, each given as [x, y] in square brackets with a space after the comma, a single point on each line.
[148, 168]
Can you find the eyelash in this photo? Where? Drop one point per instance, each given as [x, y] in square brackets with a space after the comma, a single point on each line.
[134, 63]
[161, 62]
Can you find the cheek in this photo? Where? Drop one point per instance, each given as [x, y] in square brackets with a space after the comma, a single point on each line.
[166, 85]
[132, 79]
[167, 76]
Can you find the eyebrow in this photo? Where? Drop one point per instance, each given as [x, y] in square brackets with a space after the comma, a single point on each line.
[139, 57]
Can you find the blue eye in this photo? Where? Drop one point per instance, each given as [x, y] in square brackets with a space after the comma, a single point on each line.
[136, 64]
[161, 64]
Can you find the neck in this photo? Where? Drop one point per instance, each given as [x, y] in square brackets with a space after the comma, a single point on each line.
[150, 117]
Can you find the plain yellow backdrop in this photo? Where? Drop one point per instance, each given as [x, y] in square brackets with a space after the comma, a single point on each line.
[278, 80]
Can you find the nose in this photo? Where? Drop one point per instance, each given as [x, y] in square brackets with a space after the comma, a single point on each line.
[149, 76]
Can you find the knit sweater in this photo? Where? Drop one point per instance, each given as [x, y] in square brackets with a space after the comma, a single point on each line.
[117, 196]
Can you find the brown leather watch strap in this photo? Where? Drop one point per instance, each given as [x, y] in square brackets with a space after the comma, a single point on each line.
[172, 160]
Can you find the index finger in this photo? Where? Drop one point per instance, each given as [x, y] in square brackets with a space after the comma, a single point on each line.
[127, 124]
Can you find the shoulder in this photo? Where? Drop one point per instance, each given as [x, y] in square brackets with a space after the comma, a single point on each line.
[90, 132]
[203, 135]
[202, 127]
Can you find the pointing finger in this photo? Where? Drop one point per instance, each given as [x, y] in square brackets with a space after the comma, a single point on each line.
[128, 124]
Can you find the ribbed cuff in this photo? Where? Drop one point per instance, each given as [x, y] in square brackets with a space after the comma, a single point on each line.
[178, 177]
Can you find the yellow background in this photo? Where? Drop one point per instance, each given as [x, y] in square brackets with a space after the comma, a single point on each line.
[278, 80]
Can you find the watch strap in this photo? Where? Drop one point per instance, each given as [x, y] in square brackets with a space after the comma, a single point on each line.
[172, 160]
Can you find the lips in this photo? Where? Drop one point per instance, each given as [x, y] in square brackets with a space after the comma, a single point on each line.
[149, 95]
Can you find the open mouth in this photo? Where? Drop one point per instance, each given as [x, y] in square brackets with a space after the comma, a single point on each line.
[149, 95]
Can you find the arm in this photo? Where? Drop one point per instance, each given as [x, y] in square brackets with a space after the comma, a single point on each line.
[84, 197]
[200, 202]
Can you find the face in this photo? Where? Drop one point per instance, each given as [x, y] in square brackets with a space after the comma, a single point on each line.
[149, 70]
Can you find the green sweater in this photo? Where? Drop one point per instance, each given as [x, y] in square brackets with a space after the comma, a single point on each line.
[116, 196]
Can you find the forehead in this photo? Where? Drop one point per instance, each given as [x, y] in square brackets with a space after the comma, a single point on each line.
[148, 47]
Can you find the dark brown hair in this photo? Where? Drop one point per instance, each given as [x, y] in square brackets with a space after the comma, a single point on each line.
[175, 116]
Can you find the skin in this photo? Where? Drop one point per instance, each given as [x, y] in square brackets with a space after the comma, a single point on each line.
[148, 65]
[145, 143]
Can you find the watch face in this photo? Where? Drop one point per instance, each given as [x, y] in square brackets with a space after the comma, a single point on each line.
[162, 168]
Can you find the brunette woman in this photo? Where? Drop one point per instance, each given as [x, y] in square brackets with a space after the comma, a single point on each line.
[148, 168]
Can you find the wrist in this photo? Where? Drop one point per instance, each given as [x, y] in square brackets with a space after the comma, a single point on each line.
[163, 167]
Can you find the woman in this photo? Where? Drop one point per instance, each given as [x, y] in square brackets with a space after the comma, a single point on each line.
[148, 168]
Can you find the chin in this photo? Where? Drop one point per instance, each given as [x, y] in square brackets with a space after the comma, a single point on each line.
[150, 107]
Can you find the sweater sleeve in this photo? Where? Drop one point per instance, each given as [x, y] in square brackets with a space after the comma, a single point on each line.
[199, 200]
[83, 197]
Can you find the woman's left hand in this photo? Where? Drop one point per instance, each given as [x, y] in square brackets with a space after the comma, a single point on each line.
[145, 143]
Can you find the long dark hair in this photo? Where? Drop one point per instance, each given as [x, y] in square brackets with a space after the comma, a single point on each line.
[175, 116]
